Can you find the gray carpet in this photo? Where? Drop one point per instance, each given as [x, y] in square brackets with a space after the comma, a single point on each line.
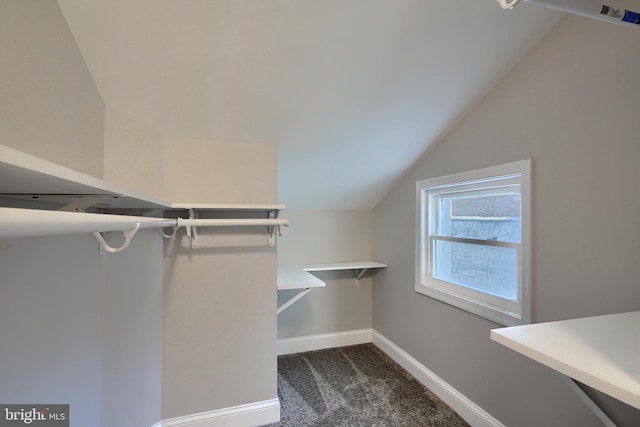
[355, 386]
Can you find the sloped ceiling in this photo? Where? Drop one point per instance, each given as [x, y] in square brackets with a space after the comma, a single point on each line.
[353, 91]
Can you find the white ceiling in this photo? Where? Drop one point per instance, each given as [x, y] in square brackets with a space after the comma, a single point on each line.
[353, 91]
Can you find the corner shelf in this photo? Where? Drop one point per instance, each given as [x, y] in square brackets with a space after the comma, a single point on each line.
[299, 277]
[360, 267]
[295, 278]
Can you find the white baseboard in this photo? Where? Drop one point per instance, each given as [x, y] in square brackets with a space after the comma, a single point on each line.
[318, 342]
[249, 415]
[472, 413]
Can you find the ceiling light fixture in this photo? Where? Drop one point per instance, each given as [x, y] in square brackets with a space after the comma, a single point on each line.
[588, 8]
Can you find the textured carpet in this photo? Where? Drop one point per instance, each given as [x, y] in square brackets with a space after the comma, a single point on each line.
[355, 386]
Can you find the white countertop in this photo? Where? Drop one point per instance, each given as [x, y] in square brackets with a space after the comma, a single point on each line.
[602, 352]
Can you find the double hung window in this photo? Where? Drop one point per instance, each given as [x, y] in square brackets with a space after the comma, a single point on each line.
[473, 241]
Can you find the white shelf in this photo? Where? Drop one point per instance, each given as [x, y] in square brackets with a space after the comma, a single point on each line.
[289, 274]
[39, 198]
[602, 352]
[296, 278]
[23, 176]
[273, 210]
[359, 267]
[227, 207]
[26, 177]
[336, 266]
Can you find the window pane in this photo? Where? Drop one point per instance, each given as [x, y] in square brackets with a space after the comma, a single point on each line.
[485, 268]
[484, 217]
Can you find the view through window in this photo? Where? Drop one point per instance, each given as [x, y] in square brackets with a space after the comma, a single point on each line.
[480, 265]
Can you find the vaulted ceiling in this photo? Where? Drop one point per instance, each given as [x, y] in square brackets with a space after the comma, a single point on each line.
[352, 91]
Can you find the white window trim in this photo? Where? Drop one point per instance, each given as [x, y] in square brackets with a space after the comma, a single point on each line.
[497, 309]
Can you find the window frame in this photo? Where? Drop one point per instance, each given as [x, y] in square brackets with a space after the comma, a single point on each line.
[491, 306]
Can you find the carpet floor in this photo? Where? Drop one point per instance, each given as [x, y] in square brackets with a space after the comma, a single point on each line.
[355, 386]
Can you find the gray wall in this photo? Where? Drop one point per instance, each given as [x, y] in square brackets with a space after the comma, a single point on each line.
[219, 346]
[132, 332]
[50, 106]
[51, 325]
[573, 106]
[83, 329]
[220, 322]
[133, 155]
[321, 236]
[76, 327]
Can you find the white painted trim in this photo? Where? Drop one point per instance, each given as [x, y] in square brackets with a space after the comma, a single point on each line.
[505, 311]
[472, 413]
[249, 415]
[322, 341]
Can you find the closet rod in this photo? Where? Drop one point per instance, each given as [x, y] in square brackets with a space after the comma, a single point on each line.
[18, 222]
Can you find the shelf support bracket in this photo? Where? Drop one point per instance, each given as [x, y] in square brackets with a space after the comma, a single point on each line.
[360, 273]
[597, 411]
[82, 203]
[273, 229]
[192, 230]
[292, 300]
